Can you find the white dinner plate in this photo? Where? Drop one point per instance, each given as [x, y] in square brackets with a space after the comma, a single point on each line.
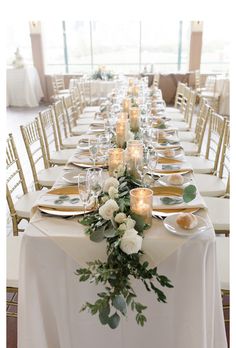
[63, 213]
[178, 154]
[164, 181]
[171, 225]
[71, 177]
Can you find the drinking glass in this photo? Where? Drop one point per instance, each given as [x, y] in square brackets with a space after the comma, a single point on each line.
[95, 181]
[93, 150]
[84, 189]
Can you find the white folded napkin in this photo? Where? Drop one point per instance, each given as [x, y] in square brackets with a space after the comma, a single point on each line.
[198, 202]
[175, 168]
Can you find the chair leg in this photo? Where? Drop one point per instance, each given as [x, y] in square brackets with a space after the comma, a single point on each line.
[12, 303]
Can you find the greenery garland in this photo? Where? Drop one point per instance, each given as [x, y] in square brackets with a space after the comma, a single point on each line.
[117, 225]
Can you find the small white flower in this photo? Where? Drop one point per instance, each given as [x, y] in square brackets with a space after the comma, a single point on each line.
[107, 210]
[113, 192]
[131, 242]
[120, 218]
[130, 223]
[122, 227]
[109, 183]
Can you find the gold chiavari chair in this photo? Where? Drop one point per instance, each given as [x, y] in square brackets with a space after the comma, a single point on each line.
[58, 86]
[194, 148]
[43, 174]
[85, 105]
[54, 154]
[178, 98]
[209, 90]
[209, 162]
[218, 208]
[217, 185]
[76, 99]
[71, 113]
[65, 140]
[19, 199]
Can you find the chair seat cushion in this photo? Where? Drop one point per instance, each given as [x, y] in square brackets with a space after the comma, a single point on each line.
[218, 210]
[25, 203]
[80, 129]
[176, 116]
[47, 177]
[71, 142]
[210, 185]
[210, 94]
[86, 116]
[85, 120]
[62, 156]
[201, 165]
[222, 256]
[13, 260]
[186, 136]
[63, 91]
[172, 109]
[189, 148]
[181, 126]
[91, 109]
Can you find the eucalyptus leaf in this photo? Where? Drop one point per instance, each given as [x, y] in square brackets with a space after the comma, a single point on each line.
[119, 303]
[170, 200]
[104, 314]
[97, 235]
[58, 201]
[114, 321]
[110, 232]
[74, 200]
[189, 193]
[64, 197]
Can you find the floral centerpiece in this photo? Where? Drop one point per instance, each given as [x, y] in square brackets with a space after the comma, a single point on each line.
[123, 233]
[102, 74]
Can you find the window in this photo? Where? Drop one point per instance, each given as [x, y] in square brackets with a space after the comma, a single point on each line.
[123, 47]
[54, 53]
[215, 47]
[116, 45]
[18, 36]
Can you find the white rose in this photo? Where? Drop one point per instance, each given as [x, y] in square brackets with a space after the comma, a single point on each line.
[107, 210]
[113, 192]
[120, 218]
[130, 233]
[119, 171]
[130, 223]
[109, 183]
[122, 227]
[132, 243]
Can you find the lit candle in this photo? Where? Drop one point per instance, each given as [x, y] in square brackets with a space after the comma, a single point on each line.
[121, 132]
[134, 157]
[134, 115]
[115, 160]
[141, 203]
[135, 91]
[126, 104]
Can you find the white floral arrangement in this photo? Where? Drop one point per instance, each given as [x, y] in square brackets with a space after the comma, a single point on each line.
[123, 233]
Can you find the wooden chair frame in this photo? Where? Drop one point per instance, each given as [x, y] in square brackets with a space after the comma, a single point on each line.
[12, 158]
[32, 135]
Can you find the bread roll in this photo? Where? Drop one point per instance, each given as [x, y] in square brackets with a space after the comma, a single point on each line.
[175, 179]
[187, 221]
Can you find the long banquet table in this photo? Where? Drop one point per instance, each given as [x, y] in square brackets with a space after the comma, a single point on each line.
[50, 294]
[97, 88]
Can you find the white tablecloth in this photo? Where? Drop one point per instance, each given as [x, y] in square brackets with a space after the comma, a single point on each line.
[98, 88]
[23, 87]
[222, 87]
[50, 294]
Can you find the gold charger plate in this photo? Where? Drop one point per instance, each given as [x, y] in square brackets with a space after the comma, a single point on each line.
[170, 191]
[65, 211]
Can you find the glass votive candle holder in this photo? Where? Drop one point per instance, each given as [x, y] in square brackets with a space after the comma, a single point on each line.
[134, 116]
[141, 203]
[115, 161]
[126, 104]
[121, 133]
[134, 156]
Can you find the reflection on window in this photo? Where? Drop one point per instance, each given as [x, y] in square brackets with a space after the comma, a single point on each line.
[18, 36]
[215, 48]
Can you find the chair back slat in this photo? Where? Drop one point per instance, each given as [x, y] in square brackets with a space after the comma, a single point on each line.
[62, 126]
[48, 126]
[34, 144]
[225, 153]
